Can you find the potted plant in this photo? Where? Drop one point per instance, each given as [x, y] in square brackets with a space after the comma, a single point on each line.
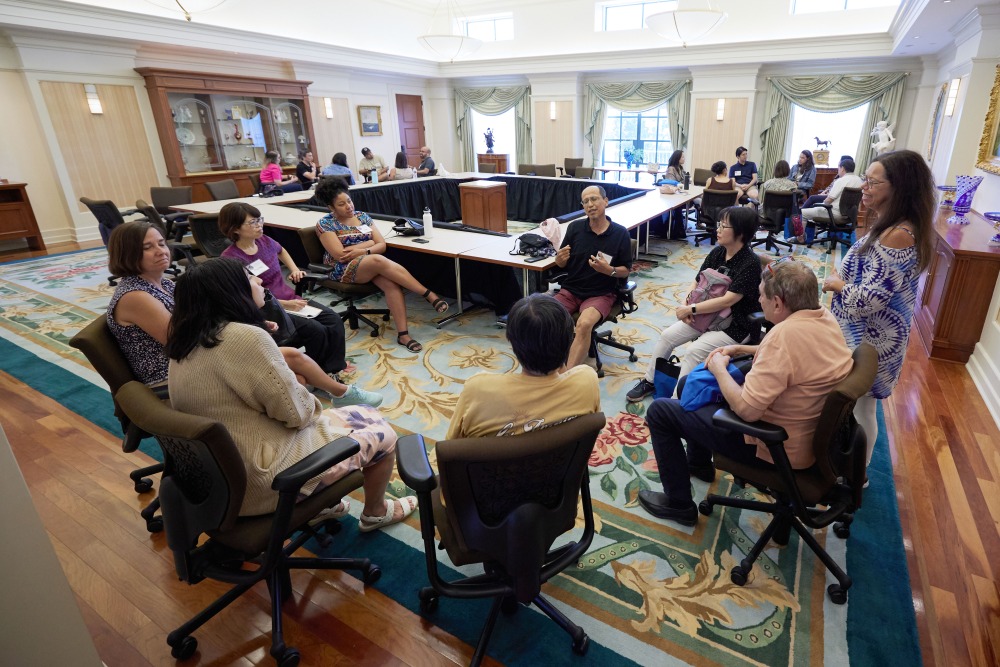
[632, 156]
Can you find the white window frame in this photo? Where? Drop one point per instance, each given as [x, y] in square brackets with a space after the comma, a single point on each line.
[508, 17]
[649, 7]
[839, 6]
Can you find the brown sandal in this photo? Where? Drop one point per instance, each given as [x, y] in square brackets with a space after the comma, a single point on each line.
[440, 305]
[412, 345]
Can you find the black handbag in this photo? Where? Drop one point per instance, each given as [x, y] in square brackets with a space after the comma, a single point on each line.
[534, 245]
[274, 312]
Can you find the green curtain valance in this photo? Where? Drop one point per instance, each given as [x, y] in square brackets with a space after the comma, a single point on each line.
[492, 102]
[635, 96]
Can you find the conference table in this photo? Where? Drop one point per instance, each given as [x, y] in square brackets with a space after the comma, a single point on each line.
[284, 221]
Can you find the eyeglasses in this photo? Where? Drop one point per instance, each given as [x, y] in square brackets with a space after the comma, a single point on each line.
[870, 182]
[724, 225]
[770, 265]
[590, 200]
[254, 222]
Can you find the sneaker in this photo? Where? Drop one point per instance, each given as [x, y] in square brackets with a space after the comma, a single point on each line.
[641, 390]
[501, 320]
[355, 396]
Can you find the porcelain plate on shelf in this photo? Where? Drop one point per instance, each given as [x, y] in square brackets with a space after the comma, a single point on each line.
[185, 136]
[285, 135]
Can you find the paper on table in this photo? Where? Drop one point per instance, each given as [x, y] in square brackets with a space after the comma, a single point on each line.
[306, 311]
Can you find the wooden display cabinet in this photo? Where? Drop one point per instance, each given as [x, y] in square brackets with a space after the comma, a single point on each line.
[484, 204]
[496, 158]
[217, 127]
[17, 220]
[954, 295]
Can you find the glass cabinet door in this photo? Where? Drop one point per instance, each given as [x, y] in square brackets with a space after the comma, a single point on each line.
[197, 135]
[293, 137]
[246, 129]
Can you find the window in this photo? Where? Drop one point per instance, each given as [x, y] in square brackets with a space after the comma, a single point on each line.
[815, 6]
[492, 28]
[629, 14]
[630, 130]
[841, 128]
[503, 135]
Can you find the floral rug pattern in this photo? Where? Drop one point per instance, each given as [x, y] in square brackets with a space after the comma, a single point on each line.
[655, 592]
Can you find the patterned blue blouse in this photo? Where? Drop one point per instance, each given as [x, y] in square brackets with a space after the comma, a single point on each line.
[876, 305]
[345, 272]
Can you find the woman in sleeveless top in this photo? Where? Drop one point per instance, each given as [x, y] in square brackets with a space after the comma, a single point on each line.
[876, 290]
[354, 248]
[719, 180]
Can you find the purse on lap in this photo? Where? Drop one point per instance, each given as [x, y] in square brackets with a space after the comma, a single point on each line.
[711, 283]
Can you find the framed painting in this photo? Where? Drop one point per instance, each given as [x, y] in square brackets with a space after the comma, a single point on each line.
[936, 121]
[989, 145]
[370, 120]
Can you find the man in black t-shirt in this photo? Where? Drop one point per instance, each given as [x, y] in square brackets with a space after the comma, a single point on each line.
[745, 175]
[427, 166]
[596, 254]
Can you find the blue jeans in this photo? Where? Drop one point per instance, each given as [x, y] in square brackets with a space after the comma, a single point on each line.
[668, 422]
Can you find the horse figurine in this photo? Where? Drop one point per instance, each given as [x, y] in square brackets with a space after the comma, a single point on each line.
[821, 144]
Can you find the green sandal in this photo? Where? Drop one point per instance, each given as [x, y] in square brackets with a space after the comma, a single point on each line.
[440, 305]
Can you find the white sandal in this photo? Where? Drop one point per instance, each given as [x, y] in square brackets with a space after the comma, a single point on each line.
[370, 523]
[335, 512]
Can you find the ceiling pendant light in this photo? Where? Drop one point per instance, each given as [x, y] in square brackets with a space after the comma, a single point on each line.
[187, 7]
[686, 25]
[446, 43]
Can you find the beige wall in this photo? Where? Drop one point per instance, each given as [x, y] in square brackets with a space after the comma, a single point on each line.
[333, 135]
[553, 139]
[712, 139]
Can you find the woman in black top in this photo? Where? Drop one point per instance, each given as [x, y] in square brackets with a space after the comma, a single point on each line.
[737, 226]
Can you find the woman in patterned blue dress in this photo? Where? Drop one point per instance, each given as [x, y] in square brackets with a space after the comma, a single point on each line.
[876, 291]
[354, 248]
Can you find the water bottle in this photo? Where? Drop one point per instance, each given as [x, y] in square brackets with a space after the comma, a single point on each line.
[687, 181]
[428, 223]
[374, 173]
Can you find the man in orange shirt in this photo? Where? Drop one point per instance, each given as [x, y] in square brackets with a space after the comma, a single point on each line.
[796, 365]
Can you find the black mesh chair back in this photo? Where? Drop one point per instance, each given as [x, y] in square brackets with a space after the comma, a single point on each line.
[506, 504]
[107, 214]
[181, 252]
[225, 189]
[207, 235]
[776, 207]
[838, 229]
[712, 203]
[164, 198]
[202, 490]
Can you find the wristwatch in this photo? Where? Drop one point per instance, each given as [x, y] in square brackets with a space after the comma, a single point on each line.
[368, 251]
[694, 309]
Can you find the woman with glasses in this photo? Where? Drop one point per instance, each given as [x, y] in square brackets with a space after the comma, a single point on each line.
[323, 335]
[354, 252]
[737, 226]
[876, 288]
[225, 366]
[140, 310]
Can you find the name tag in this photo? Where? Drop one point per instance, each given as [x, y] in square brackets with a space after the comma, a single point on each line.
[605, 257]
[257, 267]
[364, 229]
[737, 173]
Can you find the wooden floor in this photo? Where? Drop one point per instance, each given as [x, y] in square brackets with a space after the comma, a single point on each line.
[946, 458]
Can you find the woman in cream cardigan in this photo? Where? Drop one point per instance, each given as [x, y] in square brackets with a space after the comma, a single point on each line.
[225, 366]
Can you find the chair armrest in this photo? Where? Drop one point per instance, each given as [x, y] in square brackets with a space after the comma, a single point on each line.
[180, 215]
[332, 453]
[561, 172]
[413, 465]
[755, 202]
[828, 207]
[310, 280]
[182, 249]
[766, 431]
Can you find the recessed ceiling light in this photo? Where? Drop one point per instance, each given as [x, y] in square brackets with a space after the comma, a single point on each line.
[917, 37]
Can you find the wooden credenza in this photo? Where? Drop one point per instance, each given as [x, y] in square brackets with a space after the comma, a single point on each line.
[954, 295]
[495, 158]
[17, 220]
[484, 204]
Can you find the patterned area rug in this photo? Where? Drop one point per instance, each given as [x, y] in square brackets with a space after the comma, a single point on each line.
[648, 592]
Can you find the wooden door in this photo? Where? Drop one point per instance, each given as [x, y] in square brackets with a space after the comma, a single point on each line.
[410, 112]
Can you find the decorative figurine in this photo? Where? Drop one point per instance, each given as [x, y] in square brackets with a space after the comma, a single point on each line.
[821, 143]
[237, 134]
[884, 142]
[489, 139]
[994, 217]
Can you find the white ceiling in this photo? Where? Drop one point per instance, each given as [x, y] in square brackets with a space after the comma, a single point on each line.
[546, 31]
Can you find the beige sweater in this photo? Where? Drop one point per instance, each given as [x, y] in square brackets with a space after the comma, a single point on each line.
[244, 383]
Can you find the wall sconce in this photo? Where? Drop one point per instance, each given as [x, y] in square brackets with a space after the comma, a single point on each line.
[949, 105]
[552, 110]
[720, 109]
[328, 105]
[93, 101]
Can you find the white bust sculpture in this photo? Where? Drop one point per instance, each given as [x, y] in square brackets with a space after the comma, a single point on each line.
[884, 141]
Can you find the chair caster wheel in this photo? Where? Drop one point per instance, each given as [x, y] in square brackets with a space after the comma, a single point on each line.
[842, 530]
[837, 594]
[509, 606]
[633, 357]
[184, 649]
[705, 508]
[144, 485]
[371, 574]
[373, 334]
[600, 373]
[428, 601]
[385, 318]
[154, 525]
[290, 658]
[738, 575]
[581, 645]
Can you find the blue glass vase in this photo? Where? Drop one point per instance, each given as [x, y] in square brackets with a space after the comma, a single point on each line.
[965, 190]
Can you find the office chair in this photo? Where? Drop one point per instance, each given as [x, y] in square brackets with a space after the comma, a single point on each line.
[165, 198]
[812, 498]
[545, 170]
[207, 235]
[202, 488]
[527, 170]
[583, 172]
[319, 276]
[571, 164]
[850, 202]
[108, 217]
[255, 182]
[98, 344]
[224, 189]
[712, 203]
[509, 529]
[181, 252]
[701, 176]
[624, 305]
[777, 206]
[487, 167]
